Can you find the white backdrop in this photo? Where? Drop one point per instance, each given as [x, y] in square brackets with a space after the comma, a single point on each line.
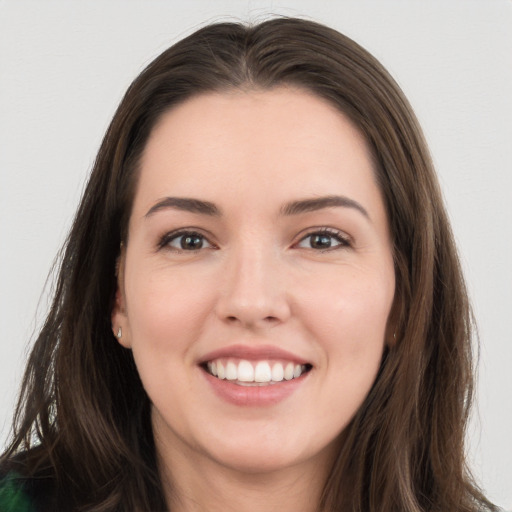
[64, 66]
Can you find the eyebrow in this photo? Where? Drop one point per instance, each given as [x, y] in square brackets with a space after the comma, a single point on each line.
[293, 208]
[185, 204]
[310, 205]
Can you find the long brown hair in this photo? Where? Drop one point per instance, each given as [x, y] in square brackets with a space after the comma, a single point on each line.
[83, 415]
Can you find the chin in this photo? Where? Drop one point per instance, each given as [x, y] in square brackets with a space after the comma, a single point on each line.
[256, 461]
[257, 455]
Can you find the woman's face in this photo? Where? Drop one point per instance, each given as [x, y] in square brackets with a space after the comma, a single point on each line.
[257, 279]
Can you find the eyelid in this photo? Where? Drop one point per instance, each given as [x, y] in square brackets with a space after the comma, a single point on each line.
[164, 240]
[344, 239]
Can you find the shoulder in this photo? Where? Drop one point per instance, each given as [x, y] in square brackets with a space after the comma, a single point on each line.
[20, 492]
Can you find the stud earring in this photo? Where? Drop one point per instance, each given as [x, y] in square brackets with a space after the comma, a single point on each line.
[119, 333]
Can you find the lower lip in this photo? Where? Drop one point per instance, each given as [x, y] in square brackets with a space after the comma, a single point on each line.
[253, 395]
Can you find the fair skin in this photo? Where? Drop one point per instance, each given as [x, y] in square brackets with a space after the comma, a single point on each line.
[222, 297]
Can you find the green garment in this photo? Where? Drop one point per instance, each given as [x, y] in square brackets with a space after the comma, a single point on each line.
[13, 497]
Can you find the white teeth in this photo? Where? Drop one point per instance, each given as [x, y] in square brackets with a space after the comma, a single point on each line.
[245, 372]
[277, 372]
[221, 373]
[231, 371]
[288, 371]
[262, 372]
[248, 373]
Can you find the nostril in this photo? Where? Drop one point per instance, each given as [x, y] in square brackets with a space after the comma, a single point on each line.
[267, 319]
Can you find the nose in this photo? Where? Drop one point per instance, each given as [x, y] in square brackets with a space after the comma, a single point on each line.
[252, 290]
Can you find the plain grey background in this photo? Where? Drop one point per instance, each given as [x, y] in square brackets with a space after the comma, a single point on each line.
[65, 64]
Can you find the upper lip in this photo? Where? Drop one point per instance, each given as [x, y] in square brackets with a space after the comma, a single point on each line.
[253, 353]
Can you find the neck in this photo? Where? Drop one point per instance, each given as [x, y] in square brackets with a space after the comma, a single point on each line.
[194, 483]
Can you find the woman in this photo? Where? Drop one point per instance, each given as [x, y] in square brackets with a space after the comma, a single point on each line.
[260, 305]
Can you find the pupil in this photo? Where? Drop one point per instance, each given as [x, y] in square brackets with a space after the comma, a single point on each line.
[320, 241]
[191, 242]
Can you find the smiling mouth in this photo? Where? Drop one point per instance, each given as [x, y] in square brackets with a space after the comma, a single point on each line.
[255, 373]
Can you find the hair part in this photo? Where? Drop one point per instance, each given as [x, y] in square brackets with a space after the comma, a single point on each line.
[82, 399]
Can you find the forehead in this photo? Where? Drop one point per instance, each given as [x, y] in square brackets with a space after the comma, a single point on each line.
[281, 143]
[292, 114]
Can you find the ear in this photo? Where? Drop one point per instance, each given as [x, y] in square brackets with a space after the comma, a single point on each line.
[119, 317]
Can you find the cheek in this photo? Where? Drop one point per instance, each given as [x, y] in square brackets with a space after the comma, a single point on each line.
[166, 316]
[348, 321]
[166, 311]
[350, 305]
[350, 331]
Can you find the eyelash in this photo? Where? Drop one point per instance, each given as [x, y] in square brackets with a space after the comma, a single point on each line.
[175, 235]
[342, 239]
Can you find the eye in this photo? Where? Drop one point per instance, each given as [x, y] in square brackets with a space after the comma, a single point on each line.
[185, 241]
[324, 240]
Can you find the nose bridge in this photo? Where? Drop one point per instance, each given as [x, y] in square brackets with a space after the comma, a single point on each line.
[253, 291]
